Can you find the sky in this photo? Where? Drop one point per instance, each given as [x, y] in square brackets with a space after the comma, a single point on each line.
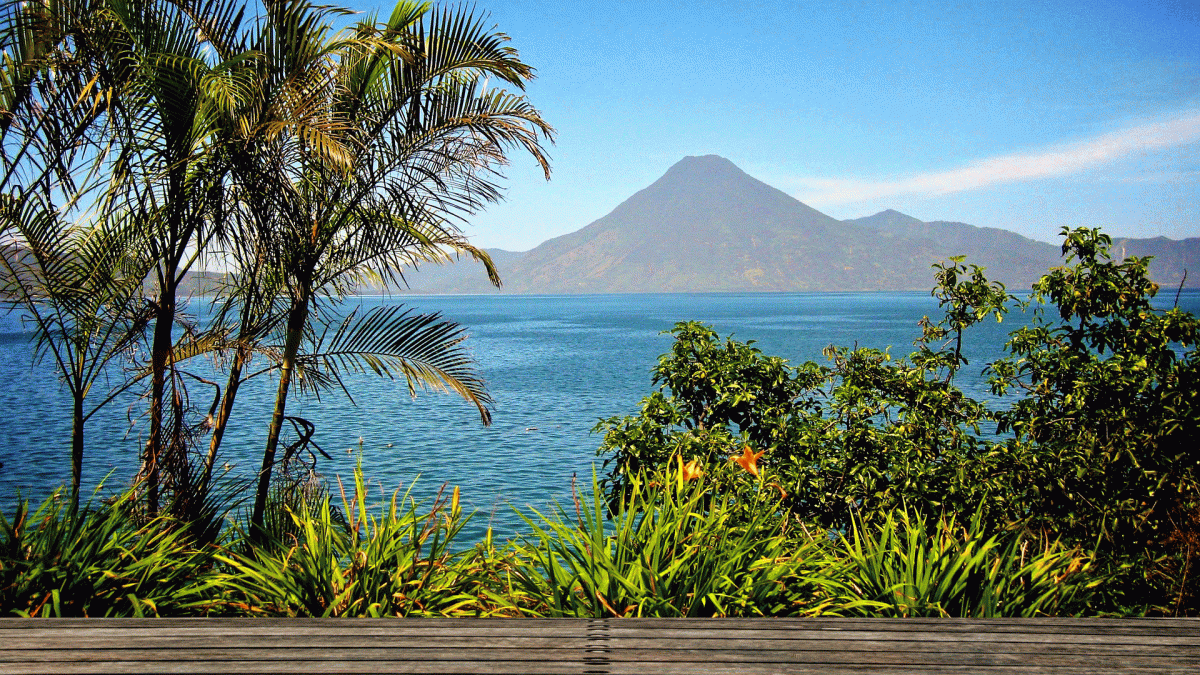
[1028, 116]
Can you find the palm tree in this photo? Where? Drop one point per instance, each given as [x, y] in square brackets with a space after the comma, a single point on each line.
[108, 114]
[407, 140]
[70, 265]
[80, 288]
[282, 106]
[172, 176]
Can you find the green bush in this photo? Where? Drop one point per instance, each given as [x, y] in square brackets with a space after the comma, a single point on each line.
[1097, 444]
[1109, 417]
[862, 436]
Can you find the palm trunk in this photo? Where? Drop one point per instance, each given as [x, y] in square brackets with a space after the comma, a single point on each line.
[76, 452]
[160, 354]
[297, 319]
[240, 356]
[231, 388]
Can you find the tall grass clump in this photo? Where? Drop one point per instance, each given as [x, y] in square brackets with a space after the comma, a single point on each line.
[671, 547]
[907, 565]
[678, 543]
[102, 561]
[391, 559]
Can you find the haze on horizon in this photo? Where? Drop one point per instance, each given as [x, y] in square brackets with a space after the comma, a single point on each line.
[1026, 116]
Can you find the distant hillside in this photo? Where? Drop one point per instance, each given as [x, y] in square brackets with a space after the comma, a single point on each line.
[1019, 261]
[705, 225]
[1171, 258]
[196, 283]
[462, 276]
[1008, 257]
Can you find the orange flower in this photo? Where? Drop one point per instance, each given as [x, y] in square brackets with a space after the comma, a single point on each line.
[749, 460]
[691, 470]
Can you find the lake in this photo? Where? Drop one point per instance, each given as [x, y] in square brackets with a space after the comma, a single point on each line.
[554, 364]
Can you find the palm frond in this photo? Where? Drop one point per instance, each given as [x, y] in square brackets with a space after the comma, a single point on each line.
[78, 285]
[424, 349]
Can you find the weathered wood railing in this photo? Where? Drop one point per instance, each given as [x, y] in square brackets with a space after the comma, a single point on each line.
[640, 646]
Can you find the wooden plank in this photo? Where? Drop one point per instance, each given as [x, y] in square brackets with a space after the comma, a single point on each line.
[711, 646]
[184, 641]
[891, 658]
[621, 654]
[817, 669]
[403, 628]
[533, 667]
[925, 636]
[684, 629]
[1078, 627]
[552, 668]
[85, 640]
[273, 653]
[827, 623]
[1075, 627]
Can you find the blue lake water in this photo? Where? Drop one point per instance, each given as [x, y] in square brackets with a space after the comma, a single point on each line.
[554, 364]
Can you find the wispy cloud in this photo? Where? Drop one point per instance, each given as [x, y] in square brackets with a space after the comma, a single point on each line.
[1162, 177]
[1059, 160]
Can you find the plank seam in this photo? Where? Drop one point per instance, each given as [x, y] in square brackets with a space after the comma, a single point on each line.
[596, 654]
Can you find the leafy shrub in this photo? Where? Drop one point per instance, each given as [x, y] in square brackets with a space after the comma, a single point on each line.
[1098, 446]
[862, 436]
[722, 397]
[1110, 417]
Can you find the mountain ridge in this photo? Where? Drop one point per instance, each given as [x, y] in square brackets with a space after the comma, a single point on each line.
[707, 226]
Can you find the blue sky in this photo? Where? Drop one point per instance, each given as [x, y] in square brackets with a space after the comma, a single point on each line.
[1022, 115]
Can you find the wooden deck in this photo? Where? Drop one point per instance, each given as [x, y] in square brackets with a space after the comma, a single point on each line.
[640, 646]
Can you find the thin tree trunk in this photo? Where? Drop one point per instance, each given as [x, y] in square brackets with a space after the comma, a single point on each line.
[240, 357]
[297, 318]
[76, 452]
[160, 354]
[231, 389]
